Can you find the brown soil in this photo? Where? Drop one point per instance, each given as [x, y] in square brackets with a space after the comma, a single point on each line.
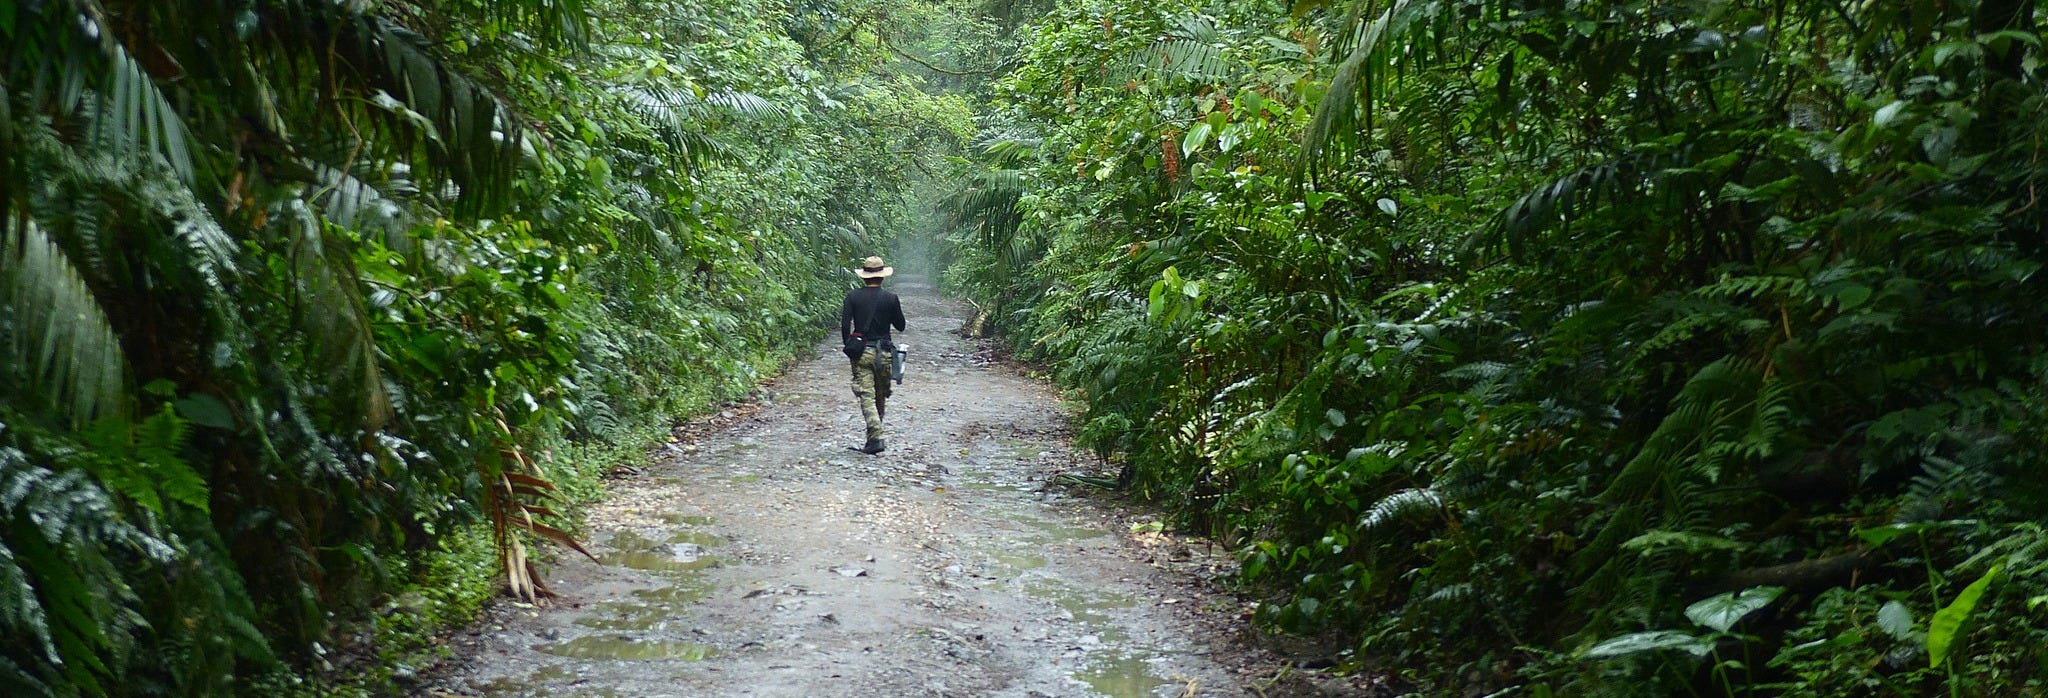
[762, 557]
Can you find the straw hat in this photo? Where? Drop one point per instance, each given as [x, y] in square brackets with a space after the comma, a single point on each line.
[872, 268]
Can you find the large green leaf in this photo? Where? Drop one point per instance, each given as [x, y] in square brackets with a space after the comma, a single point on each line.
[1947, 625]
[1896, 620]
[1721, 612]
[1651, 641]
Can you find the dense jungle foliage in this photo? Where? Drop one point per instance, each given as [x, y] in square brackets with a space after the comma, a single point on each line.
[1521, 347]
[1557, 347]
[302, 299]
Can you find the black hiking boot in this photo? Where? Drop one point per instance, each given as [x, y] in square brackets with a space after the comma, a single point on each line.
[873, 447]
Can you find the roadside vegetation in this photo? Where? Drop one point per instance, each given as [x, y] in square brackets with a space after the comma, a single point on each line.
[1557, 348]
[317, 314]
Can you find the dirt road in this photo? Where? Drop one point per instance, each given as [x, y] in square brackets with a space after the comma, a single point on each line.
[768, 559]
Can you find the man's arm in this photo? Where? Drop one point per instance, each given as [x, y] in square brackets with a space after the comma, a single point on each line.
[845, 317]
[896, 308]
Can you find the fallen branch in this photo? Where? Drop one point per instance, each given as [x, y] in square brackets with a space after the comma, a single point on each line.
[1802, 575]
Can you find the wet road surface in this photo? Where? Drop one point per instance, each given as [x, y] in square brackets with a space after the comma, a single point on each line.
[767, 559]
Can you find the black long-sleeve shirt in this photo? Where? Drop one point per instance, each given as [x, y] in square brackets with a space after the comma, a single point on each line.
[867, 302]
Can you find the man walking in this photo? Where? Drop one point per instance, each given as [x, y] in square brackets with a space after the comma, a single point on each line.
[864, 321]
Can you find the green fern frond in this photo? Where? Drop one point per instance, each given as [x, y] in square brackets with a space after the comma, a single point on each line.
[1754, 287]
[1717, 406]
[1408, 504]
[60, 529]
[1449, 595]
[1942, 484]
[157, 444]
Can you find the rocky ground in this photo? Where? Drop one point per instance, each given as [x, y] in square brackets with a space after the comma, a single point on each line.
[763, 557]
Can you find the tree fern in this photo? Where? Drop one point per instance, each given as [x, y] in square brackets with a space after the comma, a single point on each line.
[1942, 484]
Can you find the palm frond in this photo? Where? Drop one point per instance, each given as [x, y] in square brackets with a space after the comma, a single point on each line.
[210, 249]
[1363, 75]
[76, 67]
[556, 23]
[133, 115]
[332, 311]
[745, 104]
[391, 80]
[1191, 50]
[351, 202]
[56, 327]
[681, 117]
[1557, 201]
[1009, 151]
[987, 200]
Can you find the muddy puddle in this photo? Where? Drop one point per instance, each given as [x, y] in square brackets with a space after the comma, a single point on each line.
[766, 560]
[677, 552]
[627, 647]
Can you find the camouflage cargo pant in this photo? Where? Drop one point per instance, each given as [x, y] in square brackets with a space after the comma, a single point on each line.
[871, 386]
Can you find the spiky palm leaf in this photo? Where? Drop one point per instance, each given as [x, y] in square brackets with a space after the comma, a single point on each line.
[55, 328]
[332, 310]
[1369, 47]
[558, 23]
[383, 212]
[681, 118]
[1190, 51]
[71, 64]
